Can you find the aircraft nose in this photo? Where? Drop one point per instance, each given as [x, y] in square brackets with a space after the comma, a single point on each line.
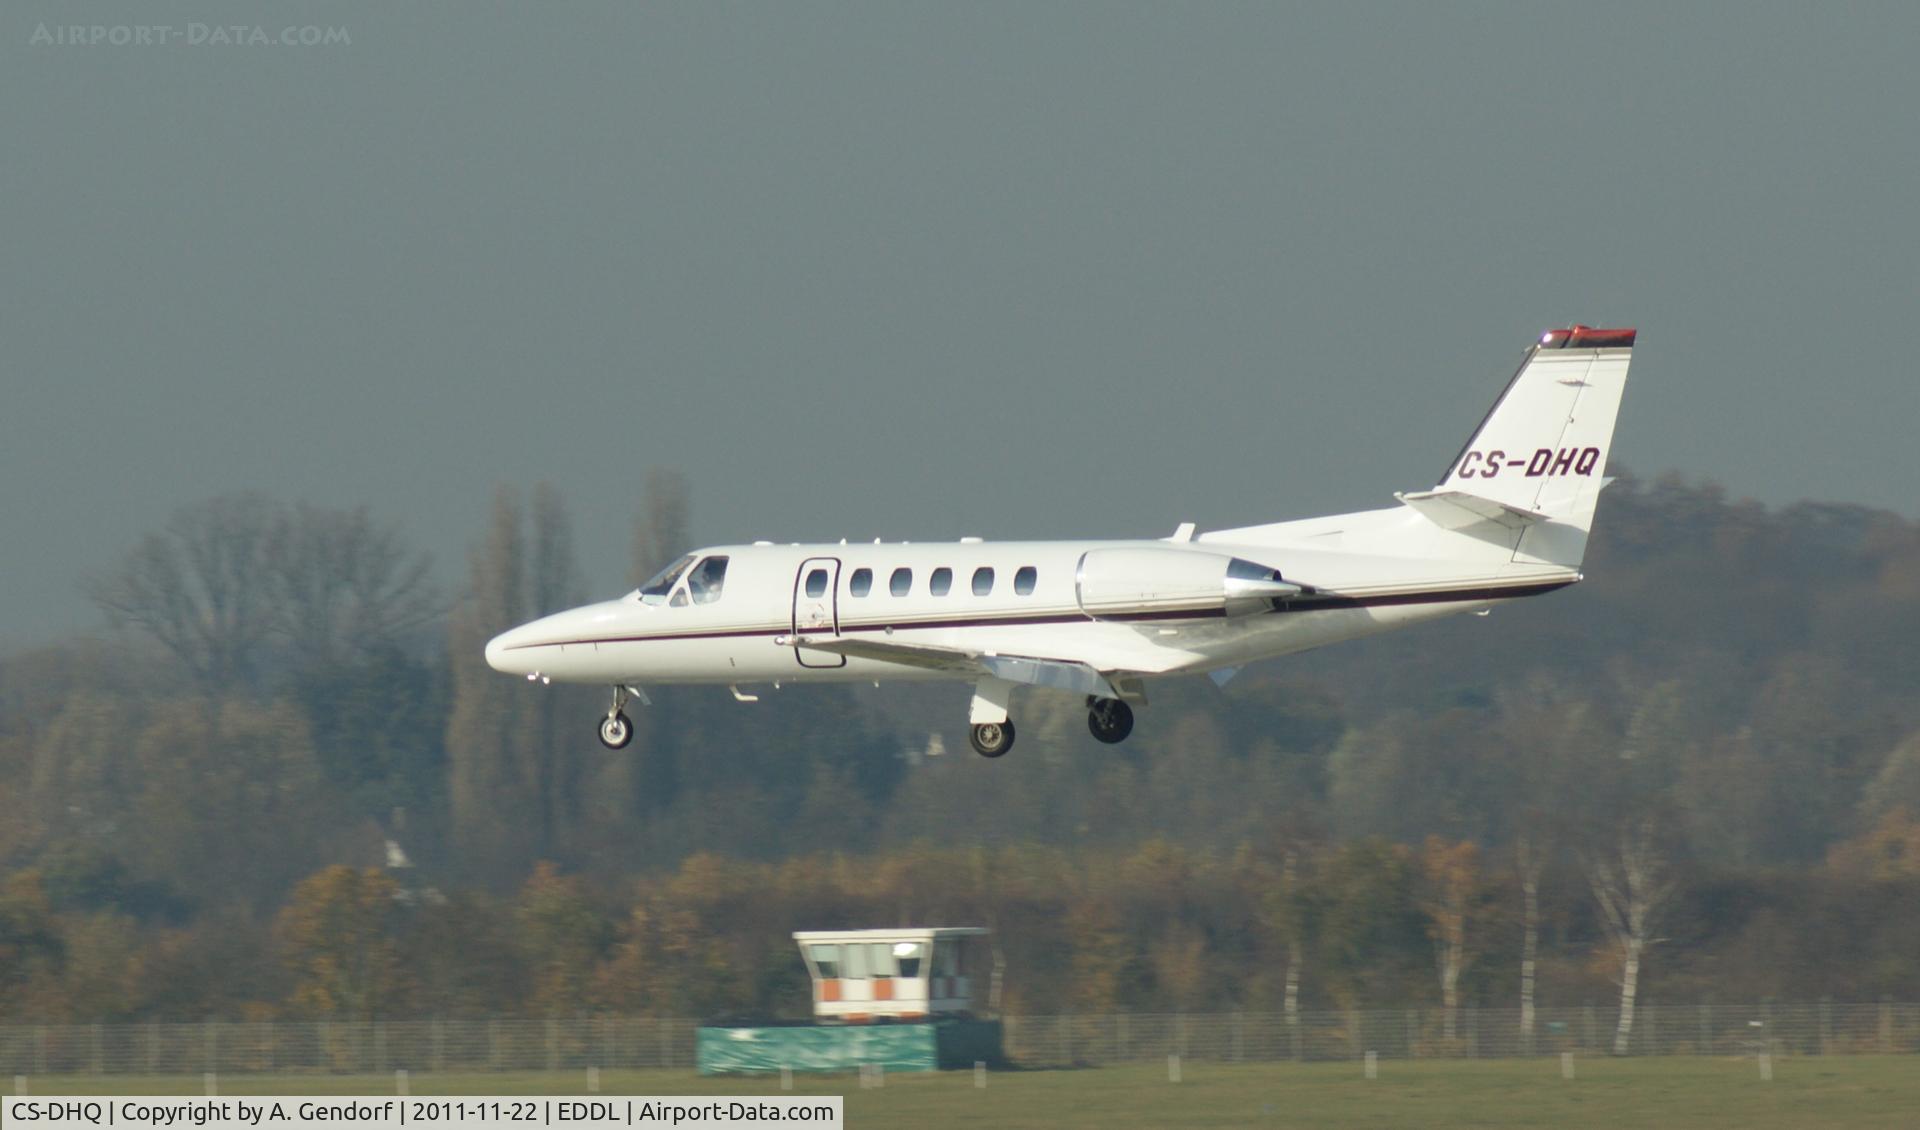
[533, 647]
[502, 658]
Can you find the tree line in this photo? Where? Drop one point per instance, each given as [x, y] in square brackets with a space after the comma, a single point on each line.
[283, 781]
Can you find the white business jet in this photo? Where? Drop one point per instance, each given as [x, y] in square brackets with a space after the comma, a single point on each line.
[1509, 519]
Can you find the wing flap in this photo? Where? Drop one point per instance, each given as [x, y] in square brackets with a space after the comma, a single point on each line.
[907, 654]
[1076, 678]
[1056, 674]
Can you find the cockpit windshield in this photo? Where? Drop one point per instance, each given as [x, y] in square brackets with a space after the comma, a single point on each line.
[655, 591]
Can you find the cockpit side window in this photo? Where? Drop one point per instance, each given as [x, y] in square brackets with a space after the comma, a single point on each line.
[707, 579]
[655, 591]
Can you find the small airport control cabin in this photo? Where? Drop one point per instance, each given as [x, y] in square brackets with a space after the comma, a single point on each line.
[910, 973]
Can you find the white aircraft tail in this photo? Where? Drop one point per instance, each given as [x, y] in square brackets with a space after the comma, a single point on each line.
[1538, 461]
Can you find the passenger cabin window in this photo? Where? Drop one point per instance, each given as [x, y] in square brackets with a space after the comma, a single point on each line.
[861, 583]
[982, 581]
[941, 581]
[856, 962]
[707, 579]
[655, 591]
[901, 583]
[817, 583]
[881, 954]
[827, 960]
[907, 957]
[1023, 580]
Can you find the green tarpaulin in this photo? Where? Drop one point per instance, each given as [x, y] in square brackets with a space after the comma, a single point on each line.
[893, 1047]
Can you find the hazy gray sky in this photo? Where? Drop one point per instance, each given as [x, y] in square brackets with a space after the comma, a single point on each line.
[918, 271]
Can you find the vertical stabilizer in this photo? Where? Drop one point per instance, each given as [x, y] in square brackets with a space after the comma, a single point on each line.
[1543, 448]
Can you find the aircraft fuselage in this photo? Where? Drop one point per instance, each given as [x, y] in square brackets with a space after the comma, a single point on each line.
[1508, 519]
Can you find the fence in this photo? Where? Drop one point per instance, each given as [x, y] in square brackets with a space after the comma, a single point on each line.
[1416, 1033]
[1038, 1041]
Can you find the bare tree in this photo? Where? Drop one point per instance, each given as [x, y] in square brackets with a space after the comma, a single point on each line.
[1631, 886]
[1452, 879]
[516, 790]
[660, 529]
[1559, 752]
[552, 583]
[1296, 938]
[1288, 913]
[344, 586]
[1531, 858]
[202, 587]
[486, 715]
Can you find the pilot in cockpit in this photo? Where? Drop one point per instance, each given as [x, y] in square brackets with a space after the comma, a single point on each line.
[706, 581]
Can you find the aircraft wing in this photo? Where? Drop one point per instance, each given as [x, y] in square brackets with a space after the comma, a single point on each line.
[932, 658]
[1058, 674]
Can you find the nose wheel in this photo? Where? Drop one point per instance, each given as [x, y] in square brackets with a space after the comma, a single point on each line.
[1109, 719]
[616, 729]
[991, 739]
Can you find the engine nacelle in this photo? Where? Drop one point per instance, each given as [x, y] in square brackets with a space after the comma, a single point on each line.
[1112, 582]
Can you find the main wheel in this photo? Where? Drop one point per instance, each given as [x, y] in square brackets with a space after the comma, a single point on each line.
[1110, 720]
[991, 739]
[616, 730]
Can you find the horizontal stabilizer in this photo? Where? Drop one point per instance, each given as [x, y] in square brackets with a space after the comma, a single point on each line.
[1459, 510]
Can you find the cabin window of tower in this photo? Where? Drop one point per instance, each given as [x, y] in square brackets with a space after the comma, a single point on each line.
[901, 583]
[1023, 580]
[861, 583]
[983, 581]
[941, 581]
[817, 583]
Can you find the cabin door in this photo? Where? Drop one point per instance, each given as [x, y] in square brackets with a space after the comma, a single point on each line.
[816, 608]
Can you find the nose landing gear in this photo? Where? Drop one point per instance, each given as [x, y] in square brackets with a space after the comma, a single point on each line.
[616, 729]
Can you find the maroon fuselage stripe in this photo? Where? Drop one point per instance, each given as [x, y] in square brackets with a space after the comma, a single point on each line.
[1305, 604]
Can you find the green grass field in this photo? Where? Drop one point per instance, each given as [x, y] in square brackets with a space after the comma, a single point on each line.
[1866, 1091]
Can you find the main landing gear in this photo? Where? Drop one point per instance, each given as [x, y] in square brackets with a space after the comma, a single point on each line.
[991, 739]
[616, 729]
[1109, 719]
